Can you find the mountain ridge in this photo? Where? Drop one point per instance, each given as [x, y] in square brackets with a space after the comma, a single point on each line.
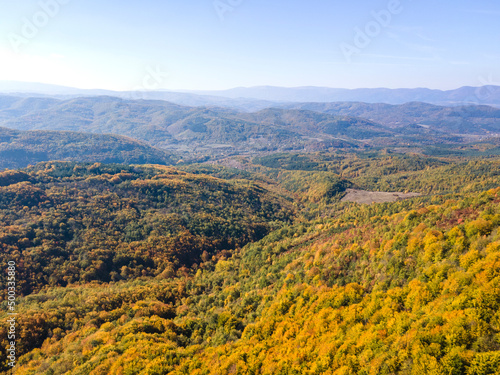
[198, 131]
[259, 97]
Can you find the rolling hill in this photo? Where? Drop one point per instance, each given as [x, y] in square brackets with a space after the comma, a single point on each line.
[460, 120]
[200, 131]
[167, 125]
[154, 270]
[20, 148]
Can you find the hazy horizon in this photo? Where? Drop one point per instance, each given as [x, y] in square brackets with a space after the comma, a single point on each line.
[180, 90]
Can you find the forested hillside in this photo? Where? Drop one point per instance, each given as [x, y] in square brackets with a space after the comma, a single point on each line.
[258, 268]
[171, 126]
[196, 132]
[70, 223]
[465, 119]
[19, 149]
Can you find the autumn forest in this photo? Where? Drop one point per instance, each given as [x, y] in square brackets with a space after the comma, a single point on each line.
[260, 269]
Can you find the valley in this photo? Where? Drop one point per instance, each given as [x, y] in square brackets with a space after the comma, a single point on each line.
[166, 133]
[204, 268]
[230, 187]
[323, 238]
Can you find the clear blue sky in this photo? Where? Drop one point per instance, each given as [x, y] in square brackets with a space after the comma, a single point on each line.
[115, 44]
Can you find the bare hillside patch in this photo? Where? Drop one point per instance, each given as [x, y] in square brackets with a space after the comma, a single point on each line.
[369, 197]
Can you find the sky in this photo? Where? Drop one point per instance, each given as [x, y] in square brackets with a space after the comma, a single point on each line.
[221, 44]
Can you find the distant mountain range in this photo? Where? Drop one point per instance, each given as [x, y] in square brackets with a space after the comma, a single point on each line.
[486, 95]
[26, 89]
[193, 129]
[255, 98]
[104, 128]
[470, 119]
[295, 126]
